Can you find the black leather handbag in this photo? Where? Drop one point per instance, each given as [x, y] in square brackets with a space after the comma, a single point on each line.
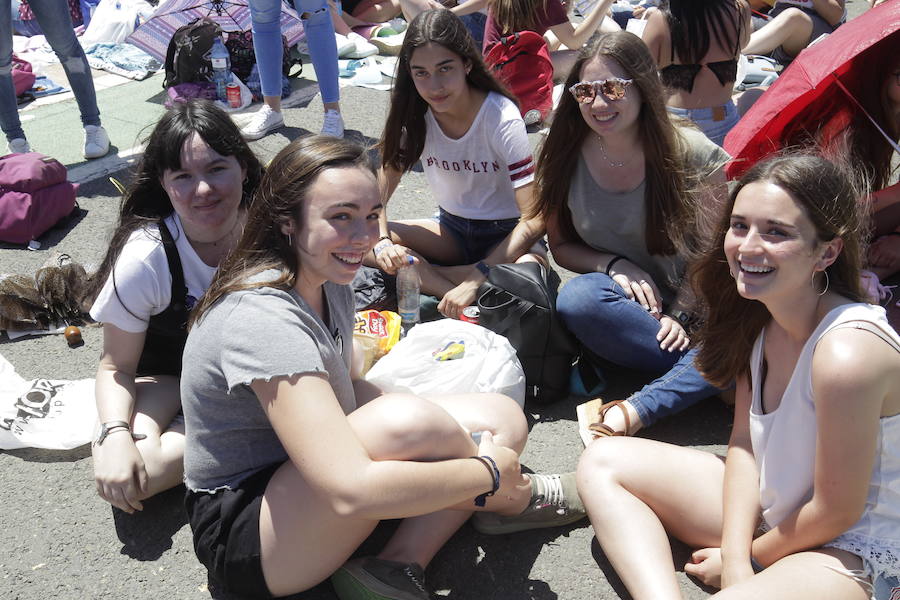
[518, 301]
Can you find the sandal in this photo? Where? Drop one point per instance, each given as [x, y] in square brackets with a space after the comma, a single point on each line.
[600, 429]
[590, 420]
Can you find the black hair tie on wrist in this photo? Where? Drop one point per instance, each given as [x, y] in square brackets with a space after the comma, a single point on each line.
[491, 465]
[614, 260]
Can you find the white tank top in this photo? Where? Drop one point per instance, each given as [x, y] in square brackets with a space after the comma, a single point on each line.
[784, 444]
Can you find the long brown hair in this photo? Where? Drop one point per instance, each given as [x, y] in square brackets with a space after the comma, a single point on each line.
[403, 138]
[668, 198]
[829, 197]
[516, 15]
[279, 200]
[145, 201]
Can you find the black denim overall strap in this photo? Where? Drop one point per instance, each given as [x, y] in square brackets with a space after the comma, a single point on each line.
[167, 331]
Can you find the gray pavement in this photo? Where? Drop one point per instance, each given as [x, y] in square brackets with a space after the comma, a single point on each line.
[59, 540]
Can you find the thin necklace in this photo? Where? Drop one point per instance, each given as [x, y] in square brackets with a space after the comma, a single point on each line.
[613, 163]
[215, 243]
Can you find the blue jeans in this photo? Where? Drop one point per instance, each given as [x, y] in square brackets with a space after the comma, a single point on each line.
[265, 15]
[53, 17]
[476, 237]
[703, 118]
[619, 330]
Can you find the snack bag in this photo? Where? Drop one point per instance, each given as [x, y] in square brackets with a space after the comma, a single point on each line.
[384, 326]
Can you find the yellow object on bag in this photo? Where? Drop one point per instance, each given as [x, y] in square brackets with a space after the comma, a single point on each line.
[451, 351]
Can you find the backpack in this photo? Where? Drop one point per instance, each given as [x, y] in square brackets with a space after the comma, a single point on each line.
[34, 196]
[22, 75]
[243, 56]
[187, 58]
[522, 63]
[518, 301]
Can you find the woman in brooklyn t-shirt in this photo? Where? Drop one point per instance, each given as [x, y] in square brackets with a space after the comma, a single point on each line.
[448, 112]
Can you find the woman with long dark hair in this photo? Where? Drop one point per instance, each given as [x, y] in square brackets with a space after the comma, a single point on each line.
[622, 190]
[181, 215]
[696, 46]
[804, 504]
[450, 113]
[290, 464]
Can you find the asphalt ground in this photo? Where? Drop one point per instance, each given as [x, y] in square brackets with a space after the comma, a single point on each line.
[59, 540]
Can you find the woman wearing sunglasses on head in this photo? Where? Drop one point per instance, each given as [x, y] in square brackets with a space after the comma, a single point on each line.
[617, 185]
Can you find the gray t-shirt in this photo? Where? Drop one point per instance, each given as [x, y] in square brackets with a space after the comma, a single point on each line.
[614, 222]
[252, 335]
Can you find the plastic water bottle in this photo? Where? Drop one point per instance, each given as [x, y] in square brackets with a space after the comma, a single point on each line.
[221, 65]
[408, 285]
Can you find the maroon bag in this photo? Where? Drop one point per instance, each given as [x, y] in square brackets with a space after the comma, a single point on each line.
[23, 78]
[522, 62]
[34, 196]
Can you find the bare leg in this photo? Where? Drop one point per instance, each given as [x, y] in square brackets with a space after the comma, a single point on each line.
[157, 402]
[303, 540]
[790, 29]
[813, 575]
[411, 8]
[635, 490]
[381, 11]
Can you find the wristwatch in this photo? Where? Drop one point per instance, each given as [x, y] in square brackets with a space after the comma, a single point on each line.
[680, 316]
[108, 427]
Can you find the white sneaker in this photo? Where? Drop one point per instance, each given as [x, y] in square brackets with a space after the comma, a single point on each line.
[333, 124]
[96, 142]
[18, 146]
[362, 47]
[344, 45]
[264, 121]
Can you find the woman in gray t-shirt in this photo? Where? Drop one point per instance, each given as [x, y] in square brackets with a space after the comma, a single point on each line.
[289, 464]
[617, 184]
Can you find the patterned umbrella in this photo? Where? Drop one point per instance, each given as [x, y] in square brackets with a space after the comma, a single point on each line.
[232, 15]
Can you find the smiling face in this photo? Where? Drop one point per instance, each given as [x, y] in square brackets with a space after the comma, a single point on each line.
[604, 116]
[439, 75]
[340, 225]
[771, 244]
[206, 191]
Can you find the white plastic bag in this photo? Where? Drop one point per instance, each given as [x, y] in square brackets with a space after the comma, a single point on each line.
[45, 414]
[489, 363]
[114, 20]
[246, 96]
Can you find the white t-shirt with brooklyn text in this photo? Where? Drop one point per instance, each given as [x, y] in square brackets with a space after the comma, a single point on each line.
[475, 176]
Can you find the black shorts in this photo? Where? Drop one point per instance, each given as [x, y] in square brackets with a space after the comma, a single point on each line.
[226, 534]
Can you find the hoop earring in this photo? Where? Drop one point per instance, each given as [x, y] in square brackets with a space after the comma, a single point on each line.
[827, 282]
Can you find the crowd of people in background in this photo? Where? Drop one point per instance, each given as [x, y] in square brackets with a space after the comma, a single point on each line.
[227, 309]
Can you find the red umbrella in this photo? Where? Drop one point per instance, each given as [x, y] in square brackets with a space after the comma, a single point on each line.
[813, 81]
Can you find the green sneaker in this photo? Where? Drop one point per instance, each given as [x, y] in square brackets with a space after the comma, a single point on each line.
[554, 502]
[378, 579]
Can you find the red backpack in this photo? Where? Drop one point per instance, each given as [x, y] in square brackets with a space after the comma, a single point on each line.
[522, 62]
[34, 196]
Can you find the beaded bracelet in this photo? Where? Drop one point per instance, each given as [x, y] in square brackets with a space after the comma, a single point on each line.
[488, 462]
[382, 243]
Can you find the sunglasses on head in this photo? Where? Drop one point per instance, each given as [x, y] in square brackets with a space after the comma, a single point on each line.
[612, 89]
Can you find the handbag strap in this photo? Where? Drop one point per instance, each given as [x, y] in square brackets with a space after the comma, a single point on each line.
[515, 313]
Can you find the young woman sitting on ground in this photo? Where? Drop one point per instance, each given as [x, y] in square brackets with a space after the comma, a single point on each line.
[447, 111]
[290, 464]
[803, 505]
[793, 25]
[696, 46]
[622, 190]
[182, 214]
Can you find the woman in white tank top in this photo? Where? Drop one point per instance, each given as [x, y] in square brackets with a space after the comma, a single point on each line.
[807, 501]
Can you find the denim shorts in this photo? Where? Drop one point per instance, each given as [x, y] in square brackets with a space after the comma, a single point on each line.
[475, 238]
[225, 525]
[704, 118]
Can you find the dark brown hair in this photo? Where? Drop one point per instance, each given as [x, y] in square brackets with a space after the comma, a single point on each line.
[278, 201]
[693, 25]
[828, 196]
[145, 201]
[668, 198]
[403, 138]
